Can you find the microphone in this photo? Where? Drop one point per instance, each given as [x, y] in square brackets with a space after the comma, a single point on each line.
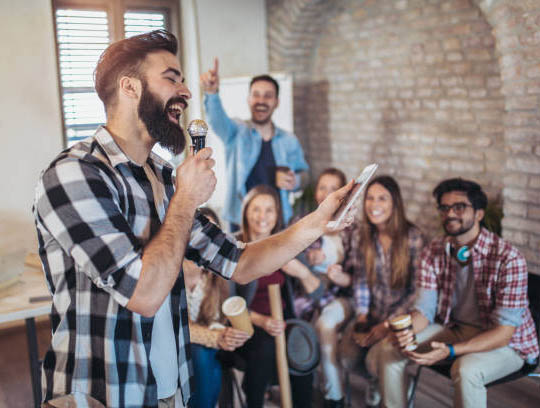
[197, 130]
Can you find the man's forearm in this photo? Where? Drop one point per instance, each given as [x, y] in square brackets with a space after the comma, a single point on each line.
[487, 340]
[263, 257]
[162, 258]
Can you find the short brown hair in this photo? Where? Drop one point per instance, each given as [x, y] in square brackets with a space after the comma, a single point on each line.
[125, 57]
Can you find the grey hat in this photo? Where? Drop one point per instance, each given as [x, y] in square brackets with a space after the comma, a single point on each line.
[303, 351]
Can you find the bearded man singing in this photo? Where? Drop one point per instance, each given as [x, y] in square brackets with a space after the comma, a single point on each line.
[114, 225]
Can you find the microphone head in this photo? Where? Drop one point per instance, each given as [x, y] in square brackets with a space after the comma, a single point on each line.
[197, 128]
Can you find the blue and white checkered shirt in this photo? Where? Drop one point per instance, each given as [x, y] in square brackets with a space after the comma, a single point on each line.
[95, 212]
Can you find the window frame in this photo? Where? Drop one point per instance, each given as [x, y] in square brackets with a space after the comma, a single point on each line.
[115, 10]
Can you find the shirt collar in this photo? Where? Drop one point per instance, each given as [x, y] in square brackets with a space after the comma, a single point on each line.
[115, 154]
[483, 242]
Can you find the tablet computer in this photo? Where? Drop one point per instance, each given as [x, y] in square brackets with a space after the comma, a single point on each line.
[359, 186]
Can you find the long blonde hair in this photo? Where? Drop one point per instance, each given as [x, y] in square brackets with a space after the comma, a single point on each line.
[398, 228]
[216, 289]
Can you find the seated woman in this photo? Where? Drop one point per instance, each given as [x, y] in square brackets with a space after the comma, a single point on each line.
[382, 255]
[324, 258]
[205, 293]
[261, 217]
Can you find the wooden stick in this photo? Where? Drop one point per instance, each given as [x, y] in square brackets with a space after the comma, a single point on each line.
[281, 349]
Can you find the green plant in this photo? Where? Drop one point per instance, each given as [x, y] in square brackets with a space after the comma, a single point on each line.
[493, 217]
[306, 202]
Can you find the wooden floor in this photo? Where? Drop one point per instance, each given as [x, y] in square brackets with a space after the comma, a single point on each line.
[434, 391]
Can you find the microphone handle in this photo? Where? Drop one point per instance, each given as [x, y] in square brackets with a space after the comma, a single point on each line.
[198, 143]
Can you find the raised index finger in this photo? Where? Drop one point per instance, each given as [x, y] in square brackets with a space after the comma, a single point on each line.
[216, 66]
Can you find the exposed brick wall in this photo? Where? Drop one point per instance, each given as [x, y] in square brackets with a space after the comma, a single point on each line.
[516, 27]
[425, 88]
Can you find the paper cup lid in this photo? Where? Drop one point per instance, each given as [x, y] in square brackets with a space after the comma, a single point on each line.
[401, 319]
[233, 306]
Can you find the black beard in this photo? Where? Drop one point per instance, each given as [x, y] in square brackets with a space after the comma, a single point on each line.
[157, 122]
[464, 228]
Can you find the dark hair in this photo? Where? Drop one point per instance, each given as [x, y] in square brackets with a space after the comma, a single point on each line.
[266, 78]
[473, 190]
[332, 171]
[261, 189]
[125, 57]
[210, 214]
[398, 228]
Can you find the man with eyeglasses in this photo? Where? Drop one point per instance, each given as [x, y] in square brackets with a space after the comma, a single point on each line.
[472, 307]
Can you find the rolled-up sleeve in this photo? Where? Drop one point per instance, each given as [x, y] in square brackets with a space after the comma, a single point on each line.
[213, 249]
[511, 300]
[426, 303]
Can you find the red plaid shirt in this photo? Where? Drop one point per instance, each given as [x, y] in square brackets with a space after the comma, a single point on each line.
[500, 276]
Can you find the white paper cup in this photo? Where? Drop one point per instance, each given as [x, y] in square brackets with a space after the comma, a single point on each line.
[235, 309]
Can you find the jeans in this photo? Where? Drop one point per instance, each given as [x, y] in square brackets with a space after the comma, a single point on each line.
[207, 373]
[331, 319]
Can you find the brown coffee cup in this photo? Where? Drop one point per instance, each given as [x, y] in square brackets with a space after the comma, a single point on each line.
[235, 309]
[403, 322]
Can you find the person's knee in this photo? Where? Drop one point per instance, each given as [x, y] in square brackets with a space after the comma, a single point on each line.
[465, 370]
[326, 323]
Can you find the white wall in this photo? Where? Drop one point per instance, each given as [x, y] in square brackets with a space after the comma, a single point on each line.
[235, 32]
[30, 118]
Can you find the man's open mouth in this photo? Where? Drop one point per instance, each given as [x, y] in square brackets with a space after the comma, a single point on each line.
[261, 108]
[175, 110]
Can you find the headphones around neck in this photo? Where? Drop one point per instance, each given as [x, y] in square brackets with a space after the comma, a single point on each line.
[462, 254]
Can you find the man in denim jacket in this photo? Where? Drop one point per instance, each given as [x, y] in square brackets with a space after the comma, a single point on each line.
[256, 151]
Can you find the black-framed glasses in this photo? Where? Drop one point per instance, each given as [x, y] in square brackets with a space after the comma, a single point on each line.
[458, 208]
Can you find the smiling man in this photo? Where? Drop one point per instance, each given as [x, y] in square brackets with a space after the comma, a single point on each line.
[472, 309]
[256, 151]
[114, 225]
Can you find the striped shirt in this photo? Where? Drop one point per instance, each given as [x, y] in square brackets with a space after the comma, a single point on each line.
[95, 210]
[500, 278]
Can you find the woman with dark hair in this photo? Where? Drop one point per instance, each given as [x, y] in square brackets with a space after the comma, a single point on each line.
[261, 217]
[382, 255]
[205, 292]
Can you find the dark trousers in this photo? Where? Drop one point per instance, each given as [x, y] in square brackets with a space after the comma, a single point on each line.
[259, 354]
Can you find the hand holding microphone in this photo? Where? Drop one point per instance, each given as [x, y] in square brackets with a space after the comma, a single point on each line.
[195, 175]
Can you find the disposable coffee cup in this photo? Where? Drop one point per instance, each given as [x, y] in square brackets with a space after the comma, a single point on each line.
[401, 323]
[235, 309]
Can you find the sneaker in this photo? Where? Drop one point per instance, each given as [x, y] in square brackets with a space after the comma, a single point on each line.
[373, 397]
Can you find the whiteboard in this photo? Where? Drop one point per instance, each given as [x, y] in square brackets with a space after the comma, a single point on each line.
[234, 94]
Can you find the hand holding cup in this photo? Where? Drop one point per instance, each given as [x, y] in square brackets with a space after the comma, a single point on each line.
[235, 309]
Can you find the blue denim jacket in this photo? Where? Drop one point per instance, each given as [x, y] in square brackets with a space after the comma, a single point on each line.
[242, 148]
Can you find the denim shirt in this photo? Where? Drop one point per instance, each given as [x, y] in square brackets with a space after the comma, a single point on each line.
[242, 148]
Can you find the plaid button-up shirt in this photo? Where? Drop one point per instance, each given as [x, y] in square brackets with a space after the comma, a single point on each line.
[500, 277]
[95, 210]
[381, 301]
